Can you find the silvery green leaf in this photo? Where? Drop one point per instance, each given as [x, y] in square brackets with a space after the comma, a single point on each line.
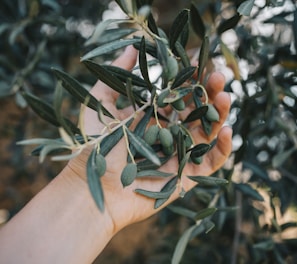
[155, 195]
[180, 50]
[45, 111]
[182, 211]
[178, 26]
[153, 173]
[49, 148]
[107, 77]
[196, 114]
[205, 213]
[65, 157]
[143, 64]
[182, 76]
[197, 22]
[108, 48]
[203, 56]
[177, 94]
[246, 7]
[149, 165]
[208, 180]
[107, 143]
[169, 186]
[79, 92]
[249, 191]
[143, 148]
[182, 244]
[94, 181]
[182, 164]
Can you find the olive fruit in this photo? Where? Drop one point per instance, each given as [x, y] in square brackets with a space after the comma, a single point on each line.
[151, 134]
[212, 114]
[129, 174]
[161, 98]
[165, 137]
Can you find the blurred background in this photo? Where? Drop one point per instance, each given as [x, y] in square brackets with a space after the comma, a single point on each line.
[257, 54]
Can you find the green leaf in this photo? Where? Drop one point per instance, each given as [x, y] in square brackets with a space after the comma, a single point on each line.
[180, 145]
[182, 211]
[249, 191]
[130, 93]
[79, 92]
[105, 76]
[108, 48]
[143, 148]
[143, 64]
[123, 75]
[177, 94]
[50, 148]
[182, 164]
[169, 186]
[205, 213]
[199, 149]
[182, 244]
[107, 143]
[94, 182]
[183, 75]
[177, 27]
[46, 112]
[203, 56]
[155, 195]
[162, 56]
[246, 7]
[197, 22]
[208, 180]
[149, 165]
[228, 24]
[180, 50]
[196, 114]
[153, 173]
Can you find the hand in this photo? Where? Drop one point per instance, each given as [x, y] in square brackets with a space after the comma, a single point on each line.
[123, 205]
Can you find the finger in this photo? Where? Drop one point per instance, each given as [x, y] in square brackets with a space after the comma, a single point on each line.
[215, 84]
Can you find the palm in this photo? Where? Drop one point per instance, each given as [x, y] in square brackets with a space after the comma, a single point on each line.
[124, 205]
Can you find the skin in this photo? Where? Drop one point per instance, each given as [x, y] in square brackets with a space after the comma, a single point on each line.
[62, 224]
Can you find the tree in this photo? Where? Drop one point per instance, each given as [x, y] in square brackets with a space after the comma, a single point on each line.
[260, 64]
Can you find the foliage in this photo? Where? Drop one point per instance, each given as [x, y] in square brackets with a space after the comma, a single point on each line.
[261, 69]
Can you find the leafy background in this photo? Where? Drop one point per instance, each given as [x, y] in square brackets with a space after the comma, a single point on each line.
[257, 53]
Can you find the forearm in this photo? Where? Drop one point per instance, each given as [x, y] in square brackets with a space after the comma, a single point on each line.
[60, 225]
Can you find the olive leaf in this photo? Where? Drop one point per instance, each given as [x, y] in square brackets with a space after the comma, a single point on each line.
[203, 56]
[197, 22]
[79, 92]
[46, 112]
[205, 213]
[143, 148]
[176, 94]
[108, 48]
[199, 150]
[155, 195]
[208, 180]
[169, 186]
[182, 54]
[196, 114]
[149, 165]
[177, 27]
[182, 76]
[153, 173]
[249, 191]
[228, 24]
[246, 7]
[108, 142]
[94, 181]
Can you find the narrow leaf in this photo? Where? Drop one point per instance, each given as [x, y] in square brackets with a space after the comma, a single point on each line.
[177, 94]
[178, 26]
[79, 92]
[182, 244]
[155, 195]
[182, 76]
[199, 149]
[249, 191]
[203, 56]
[170, 185]
[182, 211]
[108, 48]
[205, 213]
[197, 22]
[196, 114]
[182, 164]
[153, 173]
[180, 50]
[228, 24]
[208, 181]
[149, 165]
[143, 148]
[94, 182]
[105, 76]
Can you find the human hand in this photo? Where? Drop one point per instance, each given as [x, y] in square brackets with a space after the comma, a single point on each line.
[122, 205]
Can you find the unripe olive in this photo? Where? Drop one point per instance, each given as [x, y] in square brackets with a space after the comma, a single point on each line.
[197, 160]
[174, 130]
[212, 114]
[168, 150]
[122, 102]
[101, 165]
[165, 137]
[179, 104]
[161, 98]
[151, 135]
[129, 174]
[172, 66]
